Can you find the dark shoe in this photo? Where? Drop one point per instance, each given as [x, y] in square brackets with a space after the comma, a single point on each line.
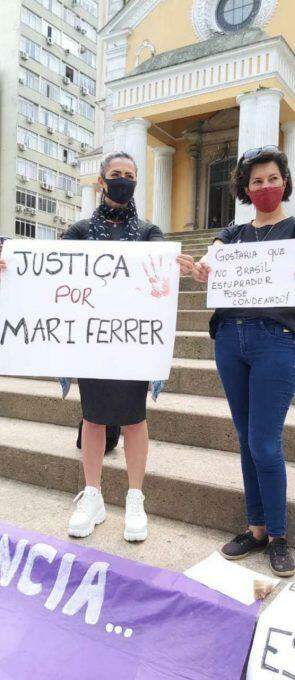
[243, 545]
[280, 557]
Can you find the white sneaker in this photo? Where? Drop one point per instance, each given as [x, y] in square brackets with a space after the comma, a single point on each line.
[135, 517]
[90, 511]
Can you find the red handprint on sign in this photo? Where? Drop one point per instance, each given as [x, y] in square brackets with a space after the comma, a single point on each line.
[158, 276]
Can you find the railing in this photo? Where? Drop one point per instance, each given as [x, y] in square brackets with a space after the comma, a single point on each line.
[255, 62]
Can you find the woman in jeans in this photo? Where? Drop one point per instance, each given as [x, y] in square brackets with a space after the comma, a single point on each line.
[255, 356]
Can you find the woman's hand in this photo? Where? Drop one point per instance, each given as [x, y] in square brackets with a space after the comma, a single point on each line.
[187, 264]
[2, 266]
[201, 270]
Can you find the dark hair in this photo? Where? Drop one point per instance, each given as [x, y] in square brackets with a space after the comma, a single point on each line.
[241, 175]
[111, 157]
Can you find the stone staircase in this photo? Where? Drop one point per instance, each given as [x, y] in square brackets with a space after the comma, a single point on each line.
[193, 470]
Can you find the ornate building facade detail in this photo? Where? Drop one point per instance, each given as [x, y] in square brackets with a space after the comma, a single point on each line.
[205, 20]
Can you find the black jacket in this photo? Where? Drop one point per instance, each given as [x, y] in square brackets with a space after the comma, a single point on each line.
[148, 231]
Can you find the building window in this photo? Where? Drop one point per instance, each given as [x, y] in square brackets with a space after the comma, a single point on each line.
[28, 138]
[28, 109]
[26, 168]
[48, 176]
[70, 73]
[66, 155]
[31, 19]
[31, 48]
[30, 79]
[53, 6]
[66, 127]
[48, 118]
[48, 147]
[24, 228]
[86, 110]
[26, 198]
[221, 205]
[88, 83]
[68, 100]
[85, 136]
[47, 205]
[50, 61]
[233, 15]
[45, 232]
[67, 183]
[50, 90]
[88, 56]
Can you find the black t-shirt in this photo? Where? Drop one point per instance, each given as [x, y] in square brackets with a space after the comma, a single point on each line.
[148, 231]
[246, 234]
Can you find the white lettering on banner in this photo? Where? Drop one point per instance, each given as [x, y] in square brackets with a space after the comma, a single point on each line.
[252, 275]
[90, 591]
[105, 311]
[8, 565]
[273, 651]
[25, 584]
[61, 582]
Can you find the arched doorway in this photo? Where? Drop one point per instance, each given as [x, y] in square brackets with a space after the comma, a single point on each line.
[221, 205]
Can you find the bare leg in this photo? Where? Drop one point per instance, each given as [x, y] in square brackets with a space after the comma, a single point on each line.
[136, 442]
[93, 448]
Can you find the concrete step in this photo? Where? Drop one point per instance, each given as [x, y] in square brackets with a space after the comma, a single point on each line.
[187, 283]
[192, 300]
[182, 483]
[206, 234]
[193, 345]
[170, 544]
[183, 419]
[188, 320]
[194, 376]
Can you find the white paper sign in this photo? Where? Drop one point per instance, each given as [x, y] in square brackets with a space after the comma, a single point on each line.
[273, 651]
[252, 275]
[228, 578]
[88, 309]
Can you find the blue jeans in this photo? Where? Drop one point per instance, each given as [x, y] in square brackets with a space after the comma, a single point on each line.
[256, 362]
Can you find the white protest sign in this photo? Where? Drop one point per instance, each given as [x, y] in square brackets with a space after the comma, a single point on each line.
[252, 275]
[273, 651]
[88, 309]
[228, 578]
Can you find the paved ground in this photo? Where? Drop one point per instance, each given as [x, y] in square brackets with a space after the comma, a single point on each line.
[171, 544]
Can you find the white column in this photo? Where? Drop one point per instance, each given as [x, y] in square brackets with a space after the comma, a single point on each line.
[137, 147]
[120, 135]
[163, 166]
[259, 126]
[289, 149]
[88, 200]
[131, 136]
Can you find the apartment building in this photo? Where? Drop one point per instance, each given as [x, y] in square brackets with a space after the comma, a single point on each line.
[48, 81]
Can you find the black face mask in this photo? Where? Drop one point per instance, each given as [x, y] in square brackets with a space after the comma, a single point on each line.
[120, 190]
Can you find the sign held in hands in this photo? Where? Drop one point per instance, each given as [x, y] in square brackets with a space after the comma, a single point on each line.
[88, 309]
[252, 275]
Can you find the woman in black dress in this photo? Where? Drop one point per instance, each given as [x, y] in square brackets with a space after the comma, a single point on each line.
[255, 356]
[113, 402]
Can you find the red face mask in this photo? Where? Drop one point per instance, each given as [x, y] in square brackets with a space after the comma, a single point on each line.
[267, 200]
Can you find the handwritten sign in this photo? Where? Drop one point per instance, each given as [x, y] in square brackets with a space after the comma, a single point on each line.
[88, 309]
[273, 651]
[252, 275]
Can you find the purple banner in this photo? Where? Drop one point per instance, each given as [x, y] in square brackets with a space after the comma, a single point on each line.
[73, 613]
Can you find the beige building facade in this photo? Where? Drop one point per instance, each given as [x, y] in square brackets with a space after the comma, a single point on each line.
[187, 88]
[48, 84]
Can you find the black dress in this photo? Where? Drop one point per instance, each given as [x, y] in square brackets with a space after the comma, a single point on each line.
[113, 402]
